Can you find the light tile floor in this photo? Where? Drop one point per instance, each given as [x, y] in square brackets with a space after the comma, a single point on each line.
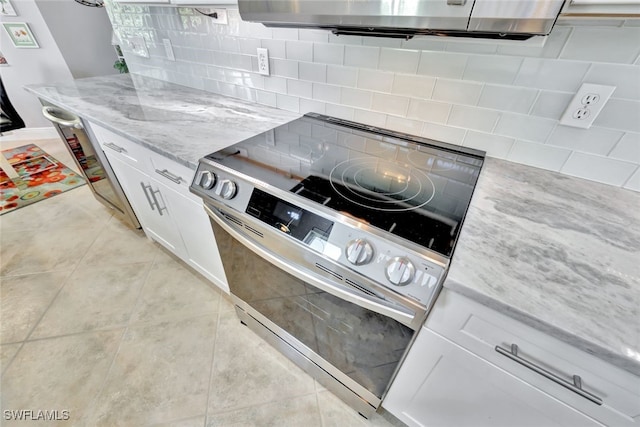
[101, 322]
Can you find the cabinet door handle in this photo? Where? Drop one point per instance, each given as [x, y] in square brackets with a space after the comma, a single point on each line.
[115, 147]
[171, 177]
[144, 190]
[575, 386]
[155, 200]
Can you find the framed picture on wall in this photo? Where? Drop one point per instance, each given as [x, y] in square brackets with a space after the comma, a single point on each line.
[20, 34]
[6, 8]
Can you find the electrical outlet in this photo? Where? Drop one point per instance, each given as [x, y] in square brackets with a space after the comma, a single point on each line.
[263, 61]
[586, 105]
[168, 49]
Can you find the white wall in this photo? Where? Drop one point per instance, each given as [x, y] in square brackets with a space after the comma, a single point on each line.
[30, 66]
[83, 35]
[502, 98]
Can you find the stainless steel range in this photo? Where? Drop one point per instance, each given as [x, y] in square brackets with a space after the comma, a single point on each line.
[335, 238]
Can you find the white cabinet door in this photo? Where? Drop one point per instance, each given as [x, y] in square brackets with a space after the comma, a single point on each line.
[442, 384]
[197, 235]
[151, 204]
[602, 7]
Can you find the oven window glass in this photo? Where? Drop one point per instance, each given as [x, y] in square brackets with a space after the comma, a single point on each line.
[362, 344]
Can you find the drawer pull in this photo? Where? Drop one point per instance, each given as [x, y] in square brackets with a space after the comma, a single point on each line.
[171, 177]
[115, 147]
[575, 386]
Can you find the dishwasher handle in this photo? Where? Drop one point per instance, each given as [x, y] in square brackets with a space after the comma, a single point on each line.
[61, 117]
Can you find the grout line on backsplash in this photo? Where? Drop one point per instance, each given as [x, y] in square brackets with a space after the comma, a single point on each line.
[613, 147]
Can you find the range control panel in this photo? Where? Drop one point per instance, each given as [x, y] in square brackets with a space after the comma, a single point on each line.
[382, 261]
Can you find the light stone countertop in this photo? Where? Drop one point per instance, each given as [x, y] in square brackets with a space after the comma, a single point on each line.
[561, 254]
[181, 123]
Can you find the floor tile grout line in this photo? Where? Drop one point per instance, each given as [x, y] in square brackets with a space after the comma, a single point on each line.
[92, 406]
[4, 370]
[213, 355]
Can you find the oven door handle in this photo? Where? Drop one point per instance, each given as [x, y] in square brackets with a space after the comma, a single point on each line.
[406, 319]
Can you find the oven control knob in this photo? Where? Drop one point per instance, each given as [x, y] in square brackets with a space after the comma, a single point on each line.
[359, 252]
[207, 180]
[400, 271]
[226, 189]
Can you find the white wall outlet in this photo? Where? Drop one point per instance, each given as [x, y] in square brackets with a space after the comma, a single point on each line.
[586, 105]
[263, 61]
[219, 16]
[168, 49]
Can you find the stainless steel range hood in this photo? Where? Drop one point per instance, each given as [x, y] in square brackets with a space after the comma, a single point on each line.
[509, 19]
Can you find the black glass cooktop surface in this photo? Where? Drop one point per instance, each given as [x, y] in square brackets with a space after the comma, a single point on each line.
[415, 188]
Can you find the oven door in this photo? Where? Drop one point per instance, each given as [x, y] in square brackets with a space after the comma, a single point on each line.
[352, 337]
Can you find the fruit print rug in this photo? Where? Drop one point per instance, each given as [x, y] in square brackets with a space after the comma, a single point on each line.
[40, 176]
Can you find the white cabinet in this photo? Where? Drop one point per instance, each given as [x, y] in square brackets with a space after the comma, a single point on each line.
[457, 373]
[442, 384]
[158, 190]
[204, 2]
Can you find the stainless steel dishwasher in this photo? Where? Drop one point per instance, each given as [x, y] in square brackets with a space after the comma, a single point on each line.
[91, 161]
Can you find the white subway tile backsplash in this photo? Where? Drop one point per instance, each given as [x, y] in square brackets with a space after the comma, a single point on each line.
[390, 104]
[626, 78]
[326, 93]
[299, 88]
[249, 46]
[598, 168]
[619, 45]
[284, 68]
[429, 111]
[473, 118]
[328, 53]
[553, 75]
[595, 140]
[312, 72]
[528, 128]
[620, 114]
[492, 69]
[495, 146]
[507, 98]
[414, 86]
[362, 56]
[442, 64]
[310, 106]
[443, 133]
[339, 111]
[399, 124]
[275, 84]
[628, 148]
[276, 48]
[299, 51]
[451, 90]
[285, 33]
[375, 80]
[355, 98]
[289, 103]
[539, 155]
[369, 117]
[342, 76]
[551, 104]
[399, 60]
[633, 183]
[320, 36]
[457, 92]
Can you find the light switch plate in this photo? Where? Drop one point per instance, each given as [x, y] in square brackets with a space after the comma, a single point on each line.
[168, 49]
